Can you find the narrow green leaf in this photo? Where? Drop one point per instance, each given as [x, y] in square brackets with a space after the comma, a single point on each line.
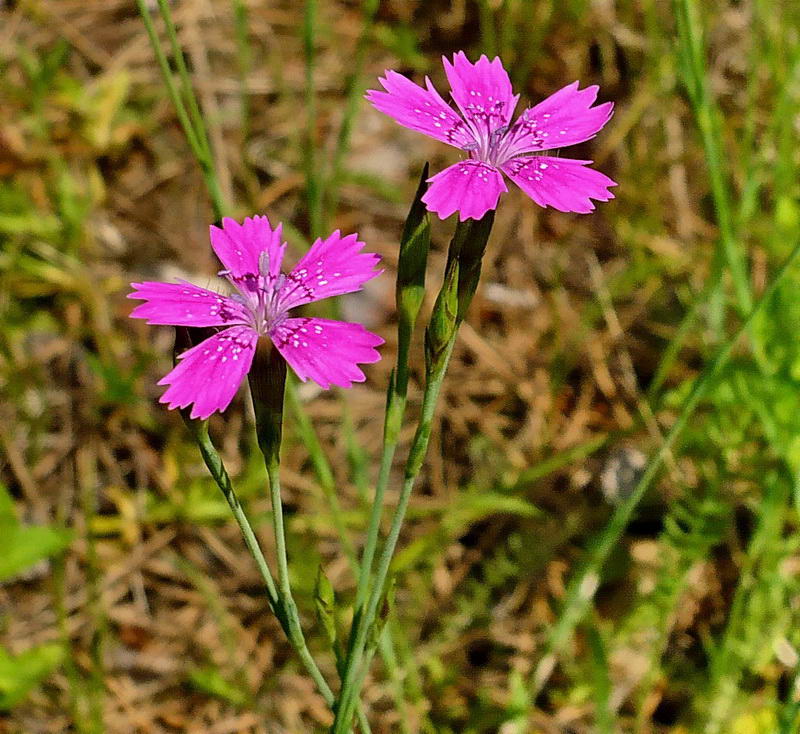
[8, 515]
[26, 546]
[211, 681]
[20, 674]
[604, 716]
[325, 604]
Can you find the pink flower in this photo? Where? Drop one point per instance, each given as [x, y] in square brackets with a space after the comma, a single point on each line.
[482, 92]
[323, 350]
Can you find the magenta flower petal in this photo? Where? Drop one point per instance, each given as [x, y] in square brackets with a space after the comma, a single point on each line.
[482, 91]
[327, 352]
[469, 187]
[184, 304]
[331, 267]
[563, 183]
[239, 246]
[564, 118]
[209, 374]
[420, 109]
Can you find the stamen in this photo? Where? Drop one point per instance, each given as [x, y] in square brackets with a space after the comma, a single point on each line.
[263, 263]
[496, 139]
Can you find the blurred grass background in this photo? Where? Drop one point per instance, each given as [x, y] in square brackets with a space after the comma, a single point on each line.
[127, 602]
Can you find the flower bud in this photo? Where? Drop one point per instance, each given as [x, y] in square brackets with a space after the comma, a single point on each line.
[413, 258]
[443, 323]
[468, 246]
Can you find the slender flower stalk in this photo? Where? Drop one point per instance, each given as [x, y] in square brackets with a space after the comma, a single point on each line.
[359, 664]
[282, 611]
[410, 291]
[469, 241]
[213, 461]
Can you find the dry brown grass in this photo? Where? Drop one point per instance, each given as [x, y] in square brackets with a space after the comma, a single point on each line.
[548, 361]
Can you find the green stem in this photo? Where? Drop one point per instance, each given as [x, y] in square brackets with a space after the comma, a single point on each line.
[197, 137]
[692, 50]
[394, 417]
[583, 585]
[295, 631]
[409, 293]
[217, 469]
[352, 99]
[183, 73]
[219, 473]
[459, 284]
[281, 603]
[359, 661]
[395, 411]
[313, 185]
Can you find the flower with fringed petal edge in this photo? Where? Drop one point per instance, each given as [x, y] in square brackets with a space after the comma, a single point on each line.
[483, 94]
[325, 351]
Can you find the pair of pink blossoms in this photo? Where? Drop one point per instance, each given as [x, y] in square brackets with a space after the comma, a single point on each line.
[326, 351]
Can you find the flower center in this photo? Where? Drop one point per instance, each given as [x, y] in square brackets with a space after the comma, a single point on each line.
[260, 293]
[488, 144]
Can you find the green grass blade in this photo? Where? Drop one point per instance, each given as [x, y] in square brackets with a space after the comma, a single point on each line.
[585, 581]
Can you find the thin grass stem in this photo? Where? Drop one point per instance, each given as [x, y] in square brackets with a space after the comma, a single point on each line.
[245, 60]
[691, 49]
[313, 174]
[197, 137]
[352, 100]
[183, 73]
[584, 583]
[169, 82]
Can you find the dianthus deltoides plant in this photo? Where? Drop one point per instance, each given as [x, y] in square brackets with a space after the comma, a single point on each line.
[253, 330]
